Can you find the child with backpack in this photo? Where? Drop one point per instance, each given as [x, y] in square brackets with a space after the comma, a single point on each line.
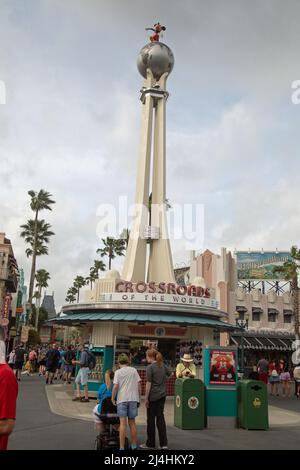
[86, 363]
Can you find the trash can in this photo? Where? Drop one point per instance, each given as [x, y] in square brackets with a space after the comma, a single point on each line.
[189, 404]
[253, 405]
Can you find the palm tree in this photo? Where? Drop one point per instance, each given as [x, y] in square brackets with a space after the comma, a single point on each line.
[92, 277]
[39, 201]
[289, 270]
[78, 283]
[42, 277]
[98, 266]
[70, 298]
[71, 294]
[112, 247]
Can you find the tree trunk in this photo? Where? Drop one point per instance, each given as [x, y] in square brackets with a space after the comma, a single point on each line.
[109, 262]
[33, 264]
[37, 312]
[78, 296]
[295, 293]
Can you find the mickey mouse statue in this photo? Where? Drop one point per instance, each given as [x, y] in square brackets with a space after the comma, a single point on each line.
[157, 29]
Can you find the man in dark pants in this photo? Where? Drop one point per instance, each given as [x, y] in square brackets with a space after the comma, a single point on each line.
[157, 374]
[19, 360]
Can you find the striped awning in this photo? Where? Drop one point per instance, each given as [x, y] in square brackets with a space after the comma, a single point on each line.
[257, 310]
[241, 308]
[259, 342]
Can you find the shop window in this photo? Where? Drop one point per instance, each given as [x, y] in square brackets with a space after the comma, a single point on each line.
[255, 316]
[287, 318]
[241, 315]
[190, 347]
[271, 317]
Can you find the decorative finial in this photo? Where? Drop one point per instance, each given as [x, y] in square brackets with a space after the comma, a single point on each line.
[157, 30]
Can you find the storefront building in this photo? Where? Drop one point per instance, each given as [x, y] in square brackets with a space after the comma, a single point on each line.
[133, 321]
[266, 305]
[8, 287]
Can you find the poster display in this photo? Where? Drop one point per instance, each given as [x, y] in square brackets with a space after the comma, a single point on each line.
[222, 367]
[258, 265]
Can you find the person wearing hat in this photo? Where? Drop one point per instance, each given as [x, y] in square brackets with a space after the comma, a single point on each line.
[186, 368]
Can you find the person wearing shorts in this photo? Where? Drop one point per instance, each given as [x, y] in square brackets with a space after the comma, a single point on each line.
[127, 388]
[285, 379]
[82, 376]
[68, 367]
[19, 360]
[52, 359]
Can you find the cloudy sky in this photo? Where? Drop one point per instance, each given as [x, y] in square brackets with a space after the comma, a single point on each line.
[71, 120]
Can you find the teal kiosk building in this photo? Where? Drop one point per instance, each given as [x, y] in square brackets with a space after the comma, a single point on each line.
[104, 361]
[220, 379]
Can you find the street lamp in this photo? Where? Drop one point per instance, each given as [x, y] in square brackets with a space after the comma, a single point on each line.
[243, 324]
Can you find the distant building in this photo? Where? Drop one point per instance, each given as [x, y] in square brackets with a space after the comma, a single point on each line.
[49, 305]
[50, 333]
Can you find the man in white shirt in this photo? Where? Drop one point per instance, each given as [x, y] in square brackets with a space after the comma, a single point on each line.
[127, 388]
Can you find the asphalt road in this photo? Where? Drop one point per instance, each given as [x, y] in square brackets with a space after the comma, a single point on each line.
[37, 428]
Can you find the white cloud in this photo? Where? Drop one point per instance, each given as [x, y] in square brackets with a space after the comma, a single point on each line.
[72, 118]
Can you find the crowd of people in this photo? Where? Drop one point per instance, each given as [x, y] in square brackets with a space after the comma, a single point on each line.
[280, 374]
[122, 387]
[50, 361]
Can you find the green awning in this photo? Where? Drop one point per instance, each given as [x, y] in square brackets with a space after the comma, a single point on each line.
[187, 320]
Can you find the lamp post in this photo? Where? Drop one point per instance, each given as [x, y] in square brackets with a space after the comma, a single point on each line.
[243, 324]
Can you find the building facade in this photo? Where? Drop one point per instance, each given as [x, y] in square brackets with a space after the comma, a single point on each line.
[269, 315]
[8, 284]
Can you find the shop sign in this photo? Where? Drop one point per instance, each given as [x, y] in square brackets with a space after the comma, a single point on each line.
[222, 367]
[160, 331]
[157, 330]
[24, 334]
[193, 403]
[5, 310]
[142, 287]
[167, 299]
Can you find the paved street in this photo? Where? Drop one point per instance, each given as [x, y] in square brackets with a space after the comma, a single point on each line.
[39, 428]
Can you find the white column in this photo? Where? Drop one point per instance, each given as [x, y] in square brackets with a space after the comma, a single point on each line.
[160, 260]
[135, 260]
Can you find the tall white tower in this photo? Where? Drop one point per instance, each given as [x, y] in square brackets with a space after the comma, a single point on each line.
[155, 63]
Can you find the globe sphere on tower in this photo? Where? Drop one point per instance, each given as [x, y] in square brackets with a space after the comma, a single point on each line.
[157, 57]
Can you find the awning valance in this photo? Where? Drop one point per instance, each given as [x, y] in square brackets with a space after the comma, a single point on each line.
[159, 317]
[257, 342]
[241, 308]
[257, 310]
[273, 310]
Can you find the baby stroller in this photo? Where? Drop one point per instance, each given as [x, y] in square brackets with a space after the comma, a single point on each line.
[109, 439]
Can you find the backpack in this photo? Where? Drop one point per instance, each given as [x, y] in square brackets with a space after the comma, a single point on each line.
[91, 360]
